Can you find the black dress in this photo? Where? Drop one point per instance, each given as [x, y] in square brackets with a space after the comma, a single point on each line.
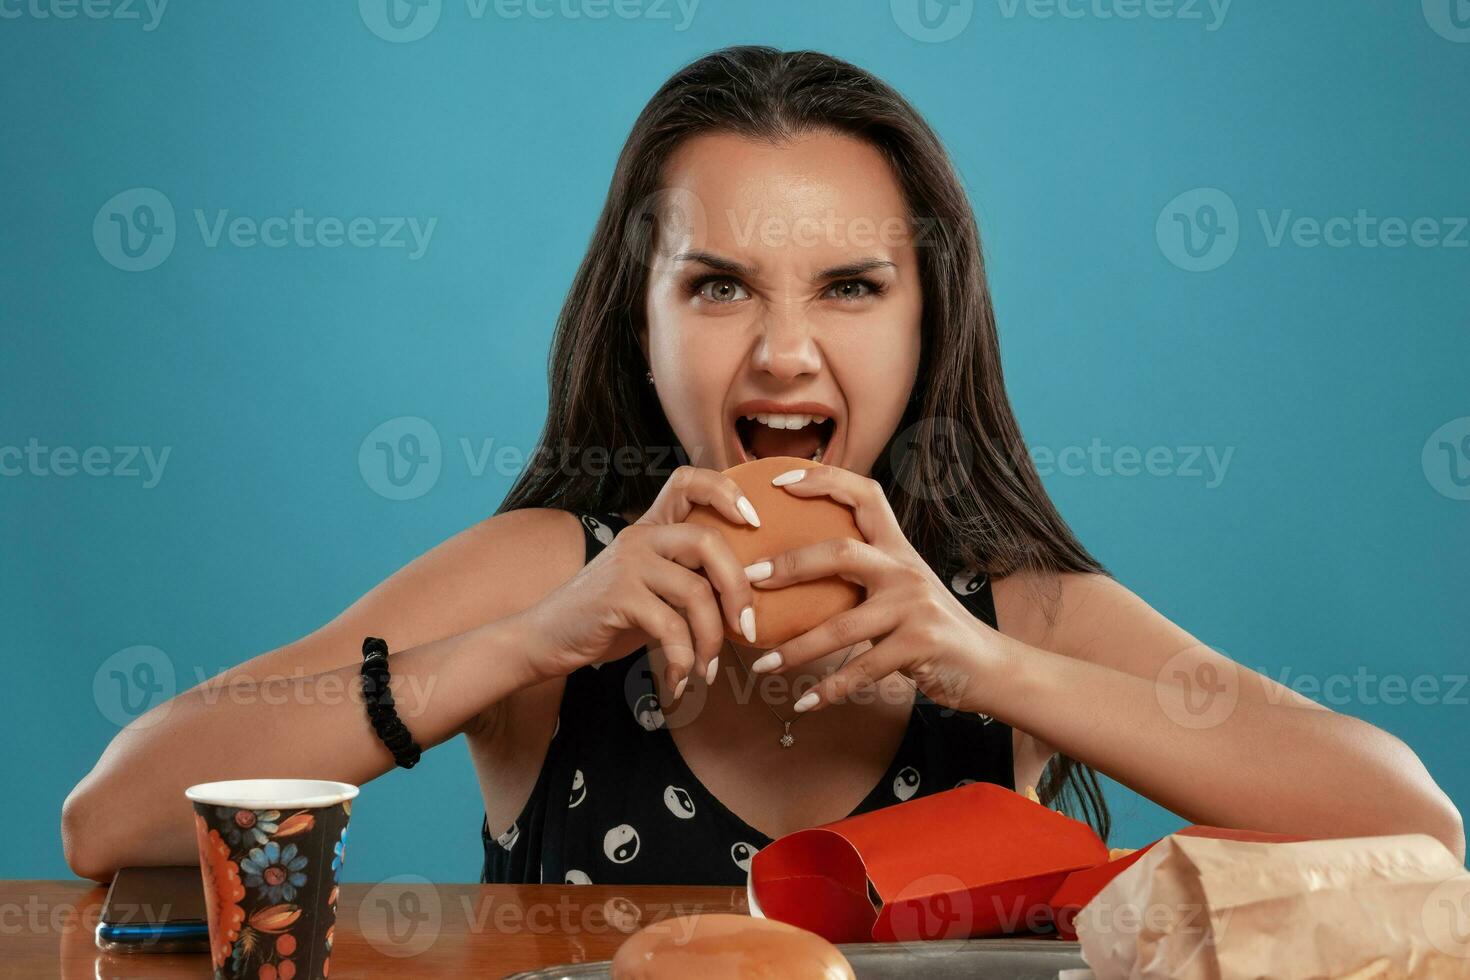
[616, 804]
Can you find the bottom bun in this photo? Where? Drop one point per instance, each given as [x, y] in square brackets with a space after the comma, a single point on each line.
[721, 946]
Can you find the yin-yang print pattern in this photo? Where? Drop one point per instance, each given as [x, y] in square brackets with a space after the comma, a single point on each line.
[598, 530]
[619, 805]
[966, 582]
[906, 783]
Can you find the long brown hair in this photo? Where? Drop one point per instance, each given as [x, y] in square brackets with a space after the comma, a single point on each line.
[977, 501]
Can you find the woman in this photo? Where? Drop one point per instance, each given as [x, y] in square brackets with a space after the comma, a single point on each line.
[786, 265]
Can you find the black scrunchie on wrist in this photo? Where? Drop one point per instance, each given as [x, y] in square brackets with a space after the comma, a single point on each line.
[380, 708]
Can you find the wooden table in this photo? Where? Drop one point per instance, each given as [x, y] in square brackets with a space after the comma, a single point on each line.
[403, 927]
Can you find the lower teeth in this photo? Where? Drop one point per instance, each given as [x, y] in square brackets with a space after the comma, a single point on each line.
[817, 456]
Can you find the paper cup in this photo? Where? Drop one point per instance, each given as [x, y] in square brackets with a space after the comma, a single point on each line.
[270, 852]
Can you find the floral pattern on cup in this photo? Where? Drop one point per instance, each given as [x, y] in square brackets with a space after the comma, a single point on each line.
[270, 886]
[247, 826]
[339, 854]
[222, 891]
[276, 872]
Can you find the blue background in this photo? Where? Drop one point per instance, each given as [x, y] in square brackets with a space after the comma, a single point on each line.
[1325, 550]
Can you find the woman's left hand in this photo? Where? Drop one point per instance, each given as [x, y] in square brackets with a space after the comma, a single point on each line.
[916, 625]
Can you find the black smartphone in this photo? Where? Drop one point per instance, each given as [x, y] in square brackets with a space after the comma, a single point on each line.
[156, 910]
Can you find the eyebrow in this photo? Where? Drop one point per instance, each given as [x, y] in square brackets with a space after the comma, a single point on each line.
[845, 271]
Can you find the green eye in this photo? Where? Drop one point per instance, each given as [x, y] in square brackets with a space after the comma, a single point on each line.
[721, 290]
[852, 290]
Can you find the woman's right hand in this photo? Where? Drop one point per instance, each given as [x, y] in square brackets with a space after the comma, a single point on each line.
[646, 589]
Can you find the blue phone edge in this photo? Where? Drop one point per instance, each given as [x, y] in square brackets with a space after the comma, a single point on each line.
[116, 932]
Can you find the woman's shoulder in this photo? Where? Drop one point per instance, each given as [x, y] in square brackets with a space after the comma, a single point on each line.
[1046, 609]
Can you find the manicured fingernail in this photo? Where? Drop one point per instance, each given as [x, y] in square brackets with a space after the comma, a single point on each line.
[747, 511]
[770, 661]
[679, 688]
[790, 476]
[747, 623]
[806, 702]
[709, 672]
[758, 572]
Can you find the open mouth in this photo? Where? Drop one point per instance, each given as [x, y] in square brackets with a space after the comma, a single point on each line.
[770, 434]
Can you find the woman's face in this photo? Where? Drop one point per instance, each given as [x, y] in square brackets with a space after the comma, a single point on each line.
[786, 287]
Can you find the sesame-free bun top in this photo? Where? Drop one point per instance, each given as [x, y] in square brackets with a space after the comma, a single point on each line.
[787, 521]
[722, 946]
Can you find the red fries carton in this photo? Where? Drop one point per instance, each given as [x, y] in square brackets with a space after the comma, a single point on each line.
[977, 860]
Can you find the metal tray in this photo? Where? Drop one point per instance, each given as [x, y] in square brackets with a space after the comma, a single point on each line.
[972, 959]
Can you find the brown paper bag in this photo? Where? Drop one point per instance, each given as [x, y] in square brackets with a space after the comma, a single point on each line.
[1354, 908]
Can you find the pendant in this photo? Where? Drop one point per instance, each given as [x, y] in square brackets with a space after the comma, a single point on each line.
[787, 739]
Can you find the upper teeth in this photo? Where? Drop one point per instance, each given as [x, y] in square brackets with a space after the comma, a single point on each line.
[787, 421]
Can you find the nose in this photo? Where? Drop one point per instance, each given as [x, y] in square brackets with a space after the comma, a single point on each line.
[786, 348]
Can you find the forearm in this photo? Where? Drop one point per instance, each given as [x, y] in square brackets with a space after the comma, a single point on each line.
[131, 807]
[1250, 764]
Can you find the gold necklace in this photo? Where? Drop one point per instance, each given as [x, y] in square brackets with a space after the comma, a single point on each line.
[787, 739]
